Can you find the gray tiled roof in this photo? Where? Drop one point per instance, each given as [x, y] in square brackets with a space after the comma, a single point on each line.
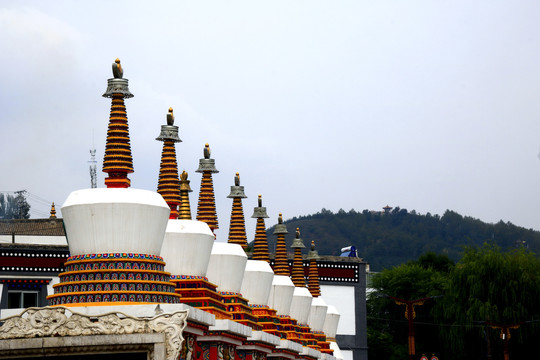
[34, 227]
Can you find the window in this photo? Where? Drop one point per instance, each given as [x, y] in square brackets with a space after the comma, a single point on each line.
[22, 299]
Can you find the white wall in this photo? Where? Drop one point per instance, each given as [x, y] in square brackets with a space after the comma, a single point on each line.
[342, 297]
[36, 240]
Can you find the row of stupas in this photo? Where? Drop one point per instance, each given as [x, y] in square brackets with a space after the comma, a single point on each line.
[133, 247]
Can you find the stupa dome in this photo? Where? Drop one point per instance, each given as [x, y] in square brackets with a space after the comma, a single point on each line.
[226, 267]
[257, 282]
[281, 294]
[301, 305]
[115, 220]
[317, 315]
[187, 246]
[331, 322]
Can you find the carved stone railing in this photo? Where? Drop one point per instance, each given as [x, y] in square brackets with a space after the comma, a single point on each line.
[55, 322]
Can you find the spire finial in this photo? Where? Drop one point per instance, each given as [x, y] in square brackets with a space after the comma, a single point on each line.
[207, 151]
[281, 265]
[237, 227]
[168, 183]
[117, 70]
[170, 117]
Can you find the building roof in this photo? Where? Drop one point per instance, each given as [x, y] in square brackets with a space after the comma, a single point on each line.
[39, 227]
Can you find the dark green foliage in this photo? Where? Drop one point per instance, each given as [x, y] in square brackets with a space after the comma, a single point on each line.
[397, 237]
[486, 285]
[492, 286]
[386, 319]
[14, 207]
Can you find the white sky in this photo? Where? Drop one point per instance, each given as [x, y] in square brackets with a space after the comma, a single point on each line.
[426, 105]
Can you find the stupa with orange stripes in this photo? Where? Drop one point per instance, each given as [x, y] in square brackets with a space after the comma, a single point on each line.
[314, 288]
[168, 183]
[184, 212]
[237, 227]
[297, 273]
[281, 263]
[260, 243]
[115, 233]
[206, 207]
[118, 162]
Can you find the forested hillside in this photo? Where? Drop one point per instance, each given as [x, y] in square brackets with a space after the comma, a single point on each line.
[385, 240]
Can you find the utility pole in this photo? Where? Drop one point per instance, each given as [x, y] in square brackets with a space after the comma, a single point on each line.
[505, 335]
[410, 314]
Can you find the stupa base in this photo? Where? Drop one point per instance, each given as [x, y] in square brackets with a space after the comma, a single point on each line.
[198, 292]
[118, 278]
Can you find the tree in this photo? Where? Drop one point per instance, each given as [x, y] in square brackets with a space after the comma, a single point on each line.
[488, 286]
[14, 207]
[387, 326]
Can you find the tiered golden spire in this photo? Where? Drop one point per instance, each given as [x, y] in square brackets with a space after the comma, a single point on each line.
[237, 227]
[118, 161]
[297, 273]
[184, 212]
[206, 209]
[53, 212]
[313, 277]
[168, 184]
[260, 244]
[281, 263]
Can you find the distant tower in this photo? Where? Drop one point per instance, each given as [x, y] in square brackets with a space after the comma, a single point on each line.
[53, 212]
[206, 209]
[93, 171]
[168, 183]
[387, 209]
[297, 273]
[237, 227]
[118, 162]
[260, 244]
[281, 263]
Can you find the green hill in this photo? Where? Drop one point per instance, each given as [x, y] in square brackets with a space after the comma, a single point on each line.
[385, 240]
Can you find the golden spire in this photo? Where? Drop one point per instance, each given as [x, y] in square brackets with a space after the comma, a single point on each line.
[53, 212]
[297, 273]
[260, 244]
[313, 278]
[237, 227]
[118, 162]
[185, 209]
[206, 207]
[168, 183]
[281, 265]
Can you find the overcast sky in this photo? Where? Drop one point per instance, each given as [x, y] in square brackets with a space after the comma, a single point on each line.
[426, 105]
